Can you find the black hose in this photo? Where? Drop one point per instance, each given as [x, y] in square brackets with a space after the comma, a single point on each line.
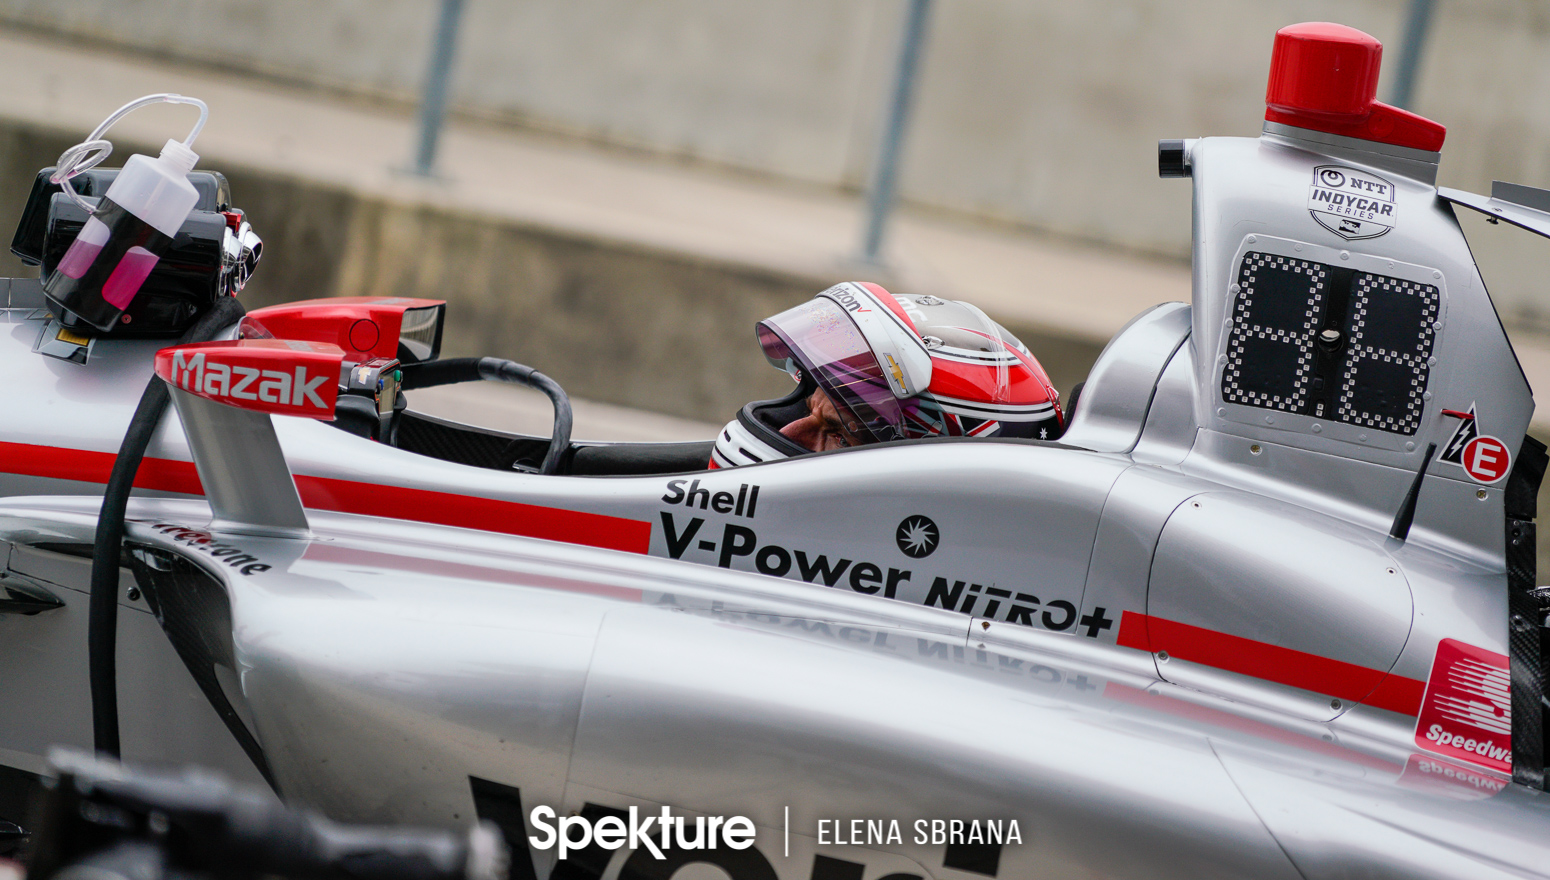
[102, 619]
[510, 371]
[432, 373]
[456, 370]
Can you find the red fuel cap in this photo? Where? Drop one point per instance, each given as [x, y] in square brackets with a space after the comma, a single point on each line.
[1324, 76]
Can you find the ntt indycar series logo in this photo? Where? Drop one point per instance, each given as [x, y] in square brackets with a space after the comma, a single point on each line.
[1352, 204]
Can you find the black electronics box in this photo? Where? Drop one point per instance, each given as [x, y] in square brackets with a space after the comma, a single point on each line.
[186, 281]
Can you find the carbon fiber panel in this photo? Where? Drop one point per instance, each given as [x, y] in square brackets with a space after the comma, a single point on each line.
[458, 444]
[1524, 618]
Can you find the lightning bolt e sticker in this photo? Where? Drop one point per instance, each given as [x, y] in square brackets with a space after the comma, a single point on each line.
[1467, 430]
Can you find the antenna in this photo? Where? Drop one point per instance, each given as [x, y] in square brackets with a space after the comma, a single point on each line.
[1401, 528]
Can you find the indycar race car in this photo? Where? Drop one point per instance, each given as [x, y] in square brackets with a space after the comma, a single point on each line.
[1266, 608]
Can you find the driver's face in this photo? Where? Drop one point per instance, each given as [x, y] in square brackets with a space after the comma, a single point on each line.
[824, 426]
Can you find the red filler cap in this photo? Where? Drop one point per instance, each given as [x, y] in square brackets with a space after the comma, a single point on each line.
[1324, 77]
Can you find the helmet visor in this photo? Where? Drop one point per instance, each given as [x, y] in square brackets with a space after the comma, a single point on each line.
[819, 339]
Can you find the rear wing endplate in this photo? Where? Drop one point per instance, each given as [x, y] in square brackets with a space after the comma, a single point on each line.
[1526, 207]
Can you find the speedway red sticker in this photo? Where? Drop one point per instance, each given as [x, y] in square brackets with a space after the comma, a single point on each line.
[1467, 711]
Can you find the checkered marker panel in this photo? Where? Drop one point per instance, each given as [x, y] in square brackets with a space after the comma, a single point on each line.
[1391, 328]
[1279, 308]
[1375, 376]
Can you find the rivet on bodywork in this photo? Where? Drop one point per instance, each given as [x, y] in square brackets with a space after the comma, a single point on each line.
[1481, 494]
[1162, 656]
[1335, 704]
[1255, 449]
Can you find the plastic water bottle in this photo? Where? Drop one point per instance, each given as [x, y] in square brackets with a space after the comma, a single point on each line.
[132, 227]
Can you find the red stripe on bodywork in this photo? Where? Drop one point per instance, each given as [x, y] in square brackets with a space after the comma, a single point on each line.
[1132, 631]
[1322, 675]
[471, 512]
[1398, 694]
[55, 463]
[345, 496]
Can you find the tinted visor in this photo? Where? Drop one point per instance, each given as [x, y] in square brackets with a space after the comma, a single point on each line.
[819, 339]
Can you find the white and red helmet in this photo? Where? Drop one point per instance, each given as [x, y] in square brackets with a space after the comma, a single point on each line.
[899, 367]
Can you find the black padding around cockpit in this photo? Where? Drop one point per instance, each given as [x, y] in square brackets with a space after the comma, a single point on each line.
[622, 459]
[451, 442]
[480, 447]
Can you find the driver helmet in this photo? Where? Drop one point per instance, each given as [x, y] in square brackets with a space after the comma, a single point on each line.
[896, 367]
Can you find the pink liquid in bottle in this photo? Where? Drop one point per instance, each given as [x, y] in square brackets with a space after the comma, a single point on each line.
[126, 279]
[84, 250]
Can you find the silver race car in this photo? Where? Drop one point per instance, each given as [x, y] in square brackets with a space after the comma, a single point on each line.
[1266, 608]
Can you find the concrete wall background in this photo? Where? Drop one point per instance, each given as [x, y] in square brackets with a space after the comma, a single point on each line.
[1037, 113]
[609, 320]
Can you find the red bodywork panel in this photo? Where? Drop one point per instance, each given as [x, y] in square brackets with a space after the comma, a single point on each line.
[1324, 76]
[283, 377]
[363, 326]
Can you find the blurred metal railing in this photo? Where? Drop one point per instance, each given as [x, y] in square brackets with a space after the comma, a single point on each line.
[433, 104]
[1418, 21]
[882, 192]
